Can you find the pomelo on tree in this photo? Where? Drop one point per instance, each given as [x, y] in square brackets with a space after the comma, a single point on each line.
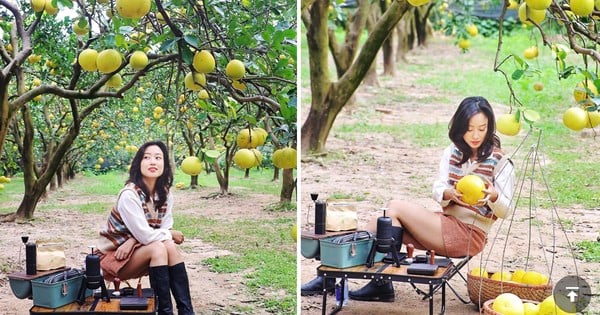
[87, 59]
[49, 8]
[285, 158]
[191, 165]
[535, 15]
[203, 94]
[575, 118]
[464, 43]
[108, 61]
[472, 30]
[235, 69]
[582, 7]
[247, 139]
[258, 157]
[204, 62]
[538, 4]
[584, 90]
[81, 27]
[138, 60]
[417, 3]
[508, 304]
[195, 81]
[531, 52]
[133, 9]
[114, 81]
[471, 187]
[244, 158]
[593, 119]
[238, 85]
[38, 5]
[507, 124]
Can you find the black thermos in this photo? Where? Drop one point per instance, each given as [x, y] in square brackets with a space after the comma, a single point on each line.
[384, 227]
[320, 214]
[30, 258]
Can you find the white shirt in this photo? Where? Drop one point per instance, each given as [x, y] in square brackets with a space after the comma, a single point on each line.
[503, 183]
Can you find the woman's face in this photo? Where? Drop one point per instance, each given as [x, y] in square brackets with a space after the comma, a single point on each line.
[478, 128]
[152, 164]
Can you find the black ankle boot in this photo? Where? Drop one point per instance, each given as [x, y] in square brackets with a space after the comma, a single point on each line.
[375, 290]
[315, 286]
[180, 287]
[159, 281]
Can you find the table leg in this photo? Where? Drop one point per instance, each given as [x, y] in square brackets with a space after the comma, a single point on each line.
[430, 299]
[443, 297]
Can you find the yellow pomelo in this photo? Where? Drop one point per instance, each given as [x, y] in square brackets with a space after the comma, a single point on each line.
[49, 8]
[1, 186]
[575, 118]
[204, 62]
[538, 4]
[257, 156]
[417, 3]
[4, 180]
[583, 90]
[502, 276]
[261, 134]
[294, 232]
[508, 304]
[247, 138]
[235, 69]
[582, 7]
[133, 9]
[517, 276]
[158, 110]
[285, 158]
[138, 60]
[534, 278]
[593, 119]
[108, 61]
[87, 59]
[479, 272]
[464, 43]
[38, 5]
[244, 158]
[36, 82]
[38, 98]
[531, 52]
[81, 27]
[549, 307]
[513, 4]
[203, 94]
[196, 82]
[530, 308]
[472, 30]
[238, 85]
[535, 15]
[191, 165]
[507, 124]
[114, 81]
[471, 187]
[538, 86]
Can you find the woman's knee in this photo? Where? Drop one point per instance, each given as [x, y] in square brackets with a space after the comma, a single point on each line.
[157, 250]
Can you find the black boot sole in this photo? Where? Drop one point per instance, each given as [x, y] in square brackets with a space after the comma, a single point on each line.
[380, 298]
[317, 292]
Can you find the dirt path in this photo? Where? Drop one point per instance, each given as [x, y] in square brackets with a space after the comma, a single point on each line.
[212, 293]
[375, 167]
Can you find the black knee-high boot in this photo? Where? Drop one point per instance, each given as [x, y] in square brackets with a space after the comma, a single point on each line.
[159, 281]
[180, 287]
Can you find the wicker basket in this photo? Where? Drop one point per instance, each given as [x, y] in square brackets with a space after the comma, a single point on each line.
[484, 289]
[488, 310]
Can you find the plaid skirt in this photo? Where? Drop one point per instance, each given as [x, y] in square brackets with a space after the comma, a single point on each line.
[461, 239]
[111, 266]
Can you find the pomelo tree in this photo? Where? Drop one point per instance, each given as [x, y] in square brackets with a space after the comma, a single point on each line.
[578, 24]
[53, 90]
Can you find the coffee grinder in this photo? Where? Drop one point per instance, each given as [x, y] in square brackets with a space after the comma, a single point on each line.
[388, 239]
[93, 278]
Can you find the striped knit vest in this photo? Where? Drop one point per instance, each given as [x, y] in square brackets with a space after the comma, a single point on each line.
[117, 232]
[484, 169]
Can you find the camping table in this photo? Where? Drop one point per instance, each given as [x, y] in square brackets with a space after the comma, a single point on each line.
[95, 305]
[386, 271]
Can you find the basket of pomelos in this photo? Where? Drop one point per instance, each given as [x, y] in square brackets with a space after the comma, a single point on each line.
[510, 304]
[527, 285]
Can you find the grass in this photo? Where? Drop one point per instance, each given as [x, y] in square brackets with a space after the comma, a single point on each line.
[588, 251]
[261, 249]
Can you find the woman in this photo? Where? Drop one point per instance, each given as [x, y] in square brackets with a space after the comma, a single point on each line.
[459, 229]
[138, 239]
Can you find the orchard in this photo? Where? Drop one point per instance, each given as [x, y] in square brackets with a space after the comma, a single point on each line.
[88, 79]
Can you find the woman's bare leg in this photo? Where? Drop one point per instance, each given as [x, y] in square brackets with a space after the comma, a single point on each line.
[174, 256]
[421, 225]
[153, 254]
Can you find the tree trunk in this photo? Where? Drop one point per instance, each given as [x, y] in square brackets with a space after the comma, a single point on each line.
[194, 182]
[287, 186]
[402, 30]
[421, 24]
[329, 98]
[275, 173]
[389, 66]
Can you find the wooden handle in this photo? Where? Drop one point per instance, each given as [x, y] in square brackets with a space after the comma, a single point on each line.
[410, 248]
[432, 257]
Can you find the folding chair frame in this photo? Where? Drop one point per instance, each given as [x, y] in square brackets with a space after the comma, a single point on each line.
[455, 269]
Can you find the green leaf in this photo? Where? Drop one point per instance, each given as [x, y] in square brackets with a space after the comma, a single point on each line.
[517, 74]
[168, 44]
[192, 40]
[187, 54]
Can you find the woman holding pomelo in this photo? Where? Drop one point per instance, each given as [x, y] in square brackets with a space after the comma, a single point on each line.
[460, 228]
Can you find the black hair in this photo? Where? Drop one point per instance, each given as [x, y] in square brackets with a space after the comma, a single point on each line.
[163, 183]
[459, 125]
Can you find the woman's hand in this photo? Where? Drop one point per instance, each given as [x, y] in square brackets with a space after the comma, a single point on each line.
[125, 249]
[177, 236]
[491, 194]
[453, 195]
